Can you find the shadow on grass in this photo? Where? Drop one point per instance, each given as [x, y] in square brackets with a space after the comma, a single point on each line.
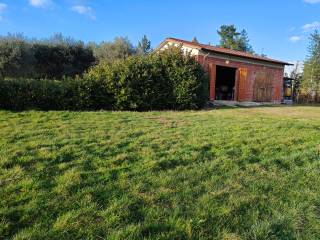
[127, 119]
[260, 107]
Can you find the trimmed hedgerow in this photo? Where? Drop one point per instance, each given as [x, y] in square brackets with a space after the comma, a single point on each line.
[165, 80]
[20, 94]
[79, 94]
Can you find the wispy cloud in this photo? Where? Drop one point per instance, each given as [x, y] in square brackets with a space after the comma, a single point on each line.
[3, 7]
[295, 38]
[40, 3]
[84, 10]
[299, 34]
[291, 29]
[311, 26]
[312, 1]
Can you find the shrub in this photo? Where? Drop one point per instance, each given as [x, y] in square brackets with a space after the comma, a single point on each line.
[19, 94]
[135, 83]
[79, 94]
[93, 94]
[165, 80]
[187, 77]
[307, 96]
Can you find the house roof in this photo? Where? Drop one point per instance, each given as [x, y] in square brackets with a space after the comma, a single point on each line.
[224, 51]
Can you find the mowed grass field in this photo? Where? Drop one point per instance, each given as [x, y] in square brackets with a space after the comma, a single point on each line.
[247, 173]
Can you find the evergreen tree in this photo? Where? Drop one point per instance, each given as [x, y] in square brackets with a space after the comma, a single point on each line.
[244, 42]
[311, 74]
[232, 39]
[144, 46]
[195, 40]
[228, 35]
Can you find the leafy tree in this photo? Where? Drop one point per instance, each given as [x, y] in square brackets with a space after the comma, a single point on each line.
[59, 39]
[311, 74]
[16, 59]
[232, 39]
[119, 48]
[57, 60]
[51, 58]
[144, 46]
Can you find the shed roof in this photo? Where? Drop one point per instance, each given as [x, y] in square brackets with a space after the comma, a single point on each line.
[224, 51]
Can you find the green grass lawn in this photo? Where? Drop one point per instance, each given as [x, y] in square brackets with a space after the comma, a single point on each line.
[248, 173]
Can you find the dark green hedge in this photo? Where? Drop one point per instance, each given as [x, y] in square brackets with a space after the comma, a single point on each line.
[22, 94]
[165, 80]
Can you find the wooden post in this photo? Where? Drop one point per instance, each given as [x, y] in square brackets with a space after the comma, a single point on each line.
[243, 72]
[212, 78]
[236, 86]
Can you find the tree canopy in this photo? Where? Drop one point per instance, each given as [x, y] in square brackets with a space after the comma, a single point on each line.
[232, 39]
[51, 58]
[311, 74]
[58, 56]
[119, 48]
[144, 46]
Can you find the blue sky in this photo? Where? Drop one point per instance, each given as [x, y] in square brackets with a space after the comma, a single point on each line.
[278, 28]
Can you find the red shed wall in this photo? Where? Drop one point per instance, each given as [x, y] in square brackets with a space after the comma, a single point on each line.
[245, 77]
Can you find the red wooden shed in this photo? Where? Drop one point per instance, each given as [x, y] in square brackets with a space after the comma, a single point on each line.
[236, 75]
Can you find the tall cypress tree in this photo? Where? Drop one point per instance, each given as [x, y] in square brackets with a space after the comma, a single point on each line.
[144, 46]
[195, 40]
[311, 74]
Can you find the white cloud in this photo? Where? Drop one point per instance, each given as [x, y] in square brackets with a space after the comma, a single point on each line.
[40, 3]
[291, 29]
[311, 26]
[84, 10]
[3, 7]
[312, 1]
[295, 38]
